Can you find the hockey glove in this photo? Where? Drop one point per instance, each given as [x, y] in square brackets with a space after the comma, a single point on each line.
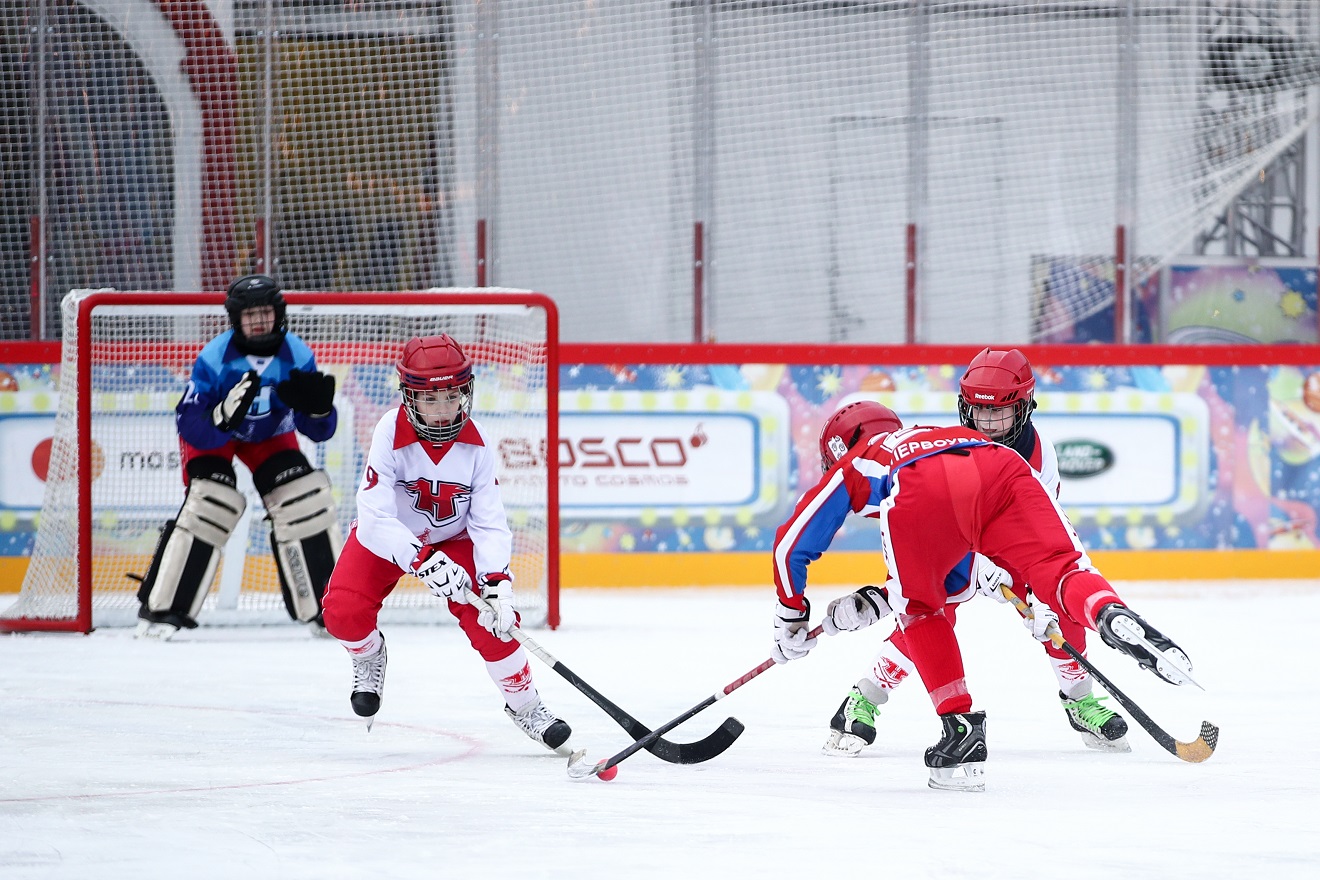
[230, 412]
[445, 578]
[856, 610]
[498, 617]
[791, 627]
[1040, 620]
[989, 577]
[309, 392]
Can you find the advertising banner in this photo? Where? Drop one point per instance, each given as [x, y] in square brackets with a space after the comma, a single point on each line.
[711, 457]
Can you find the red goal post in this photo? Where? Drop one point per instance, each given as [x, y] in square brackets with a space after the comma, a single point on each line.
[114, 472]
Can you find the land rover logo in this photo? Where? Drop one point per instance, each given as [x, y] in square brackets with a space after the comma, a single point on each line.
[1083, 458]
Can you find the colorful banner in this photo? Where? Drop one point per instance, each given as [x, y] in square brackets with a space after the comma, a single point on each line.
[700, 457]
[1179, 457]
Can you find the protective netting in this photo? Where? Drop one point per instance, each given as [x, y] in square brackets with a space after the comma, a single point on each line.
[140, 350]
[362, 145]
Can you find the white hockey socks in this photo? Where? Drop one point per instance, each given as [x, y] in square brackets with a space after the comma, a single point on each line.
[513, 676]
[364, 647]
[1074, 681]
[890, 667]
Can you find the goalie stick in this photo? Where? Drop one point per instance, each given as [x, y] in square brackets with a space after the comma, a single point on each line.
[578, 766]
[1194, 752]
[671, 752]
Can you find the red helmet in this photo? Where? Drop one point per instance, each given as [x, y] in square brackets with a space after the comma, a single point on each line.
[852, 423]
[430, 365]
[996, 394]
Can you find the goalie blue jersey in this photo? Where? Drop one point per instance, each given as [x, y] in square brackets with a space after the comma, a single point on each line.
[218, 369]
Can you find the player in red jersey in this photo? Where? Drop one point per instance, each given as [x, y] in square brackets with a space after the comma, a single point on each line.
[996, 397]
[938, 494]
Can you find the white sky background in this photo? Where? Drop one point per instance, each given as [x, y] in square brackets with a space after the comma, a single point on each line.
[234, 753]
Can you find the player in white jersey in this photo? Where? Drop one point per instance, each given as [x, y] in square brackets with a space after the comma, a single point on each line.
[429, 504]
[996, 397]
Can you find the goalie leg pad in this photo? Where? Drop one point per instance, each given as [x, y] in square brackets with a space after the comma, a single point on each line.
[304, 530]
[189, 552]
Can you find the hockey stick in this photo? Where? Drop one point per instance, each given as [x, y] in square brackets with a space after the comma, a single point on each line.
[1194, 752]
[674, 753]
[579, 768]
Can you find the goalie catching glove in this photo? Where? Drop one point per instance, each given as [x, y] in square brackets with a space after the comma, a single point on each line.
[444, 577]
[856, 610]
[499, 616]
[791, 631]
[230, 412]
[307, 392]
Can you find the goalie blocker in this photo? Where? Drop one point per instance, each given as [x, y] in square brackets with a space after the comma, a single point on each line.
[304, 538]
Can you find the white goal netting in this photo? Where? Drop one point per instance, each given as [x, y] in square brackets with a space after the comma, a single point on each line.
[361, 146]
[114, 474]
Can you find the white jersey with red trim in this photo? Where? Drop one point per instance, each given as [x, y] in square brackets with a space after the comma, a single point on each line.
[414, 493]
[1044, 463]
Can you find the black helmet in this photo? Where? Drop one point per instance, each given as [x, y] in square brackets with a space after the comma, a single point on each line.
[249, 292]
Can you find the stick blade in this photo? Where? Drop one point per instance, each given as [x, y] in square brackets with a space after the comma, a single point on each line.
[702, 750]
[1201, 748]
[580, 766]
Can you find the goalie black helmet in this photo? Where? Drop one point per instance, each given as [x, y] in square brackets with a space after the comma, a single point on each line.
[255, 291]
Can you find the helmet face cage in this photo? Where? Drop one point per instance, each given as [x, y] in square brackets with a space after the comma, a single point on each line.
[250, 292]
[1003, 424]
[416, 399]
[847, 427]
[430, 369]
[997, 395]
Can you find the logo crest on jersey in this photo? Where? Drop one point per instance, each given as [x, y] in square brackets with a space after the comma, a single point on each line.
[440, 502]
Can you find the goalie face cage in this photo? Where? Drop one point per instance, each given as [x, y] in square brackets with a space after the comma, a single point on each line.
[114, 475]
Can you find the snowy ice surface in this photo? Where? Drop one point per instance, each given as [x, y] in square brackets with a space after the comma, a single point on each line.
[234, 753]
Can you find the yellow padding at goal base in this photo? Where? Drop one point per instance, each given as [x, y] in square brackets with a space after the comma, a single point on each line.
[746, 569]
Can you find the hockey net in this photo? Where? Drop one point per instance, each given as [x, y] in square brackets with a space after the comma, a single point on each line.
[114, 474]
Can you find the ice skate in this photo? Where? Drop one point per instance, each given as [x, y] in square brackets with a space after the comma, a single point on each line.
[369, 683]
[161, 625]
[316, 626]
[1122, 629]
[853, 727]
[957, 761]
[535, 720]
[1101, 729]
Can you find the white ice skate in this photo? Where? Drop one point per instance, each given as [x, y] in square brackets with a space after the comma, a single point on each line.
[535, 720]
[369, 683]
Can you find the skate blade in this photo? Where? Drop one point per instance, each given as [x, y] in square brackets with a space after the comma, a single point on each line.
[160, 632]
[1175, 668]
[1173, 665]
[843, 745]
[1100, 744]
[964, 777]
